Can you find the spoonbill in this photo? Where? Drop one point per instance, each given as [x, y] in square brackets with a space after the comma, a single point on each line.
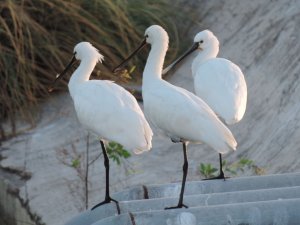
[218, 81]
[181, 115]
[105, 108]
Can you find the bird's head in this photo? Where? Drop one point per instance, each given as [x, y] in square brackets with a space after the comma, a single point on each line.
[82, 51]
[153, 34]
[156, 33]
[206, 40]
[86, 50]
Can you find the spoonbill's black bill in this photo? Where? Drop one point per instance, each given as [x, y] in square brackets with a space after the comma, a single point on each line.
[181, 115]
[218, 81]
[106, 109]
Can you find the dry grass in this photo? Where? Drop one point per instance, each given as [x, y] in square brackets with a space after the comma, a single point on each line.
[37, 39]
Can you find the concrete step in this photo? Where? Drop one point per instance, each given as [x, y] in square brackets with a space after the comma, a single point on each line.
[212, 186]
[158, 204]
[200, 194]
[253, 213]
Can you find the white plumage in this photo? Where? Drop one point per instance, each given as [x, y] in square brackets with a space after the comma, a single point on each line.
[176, 111]
[106, 109]
[181, 115]
[219, 82]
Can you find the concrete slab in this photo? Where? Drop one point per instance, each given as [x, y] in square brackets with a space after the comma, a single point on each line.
[238, 184]
[118, 220]
[255, 213]
[134, 193]
[91, 216]
[213, 199]
[88, 217]
[213, 186]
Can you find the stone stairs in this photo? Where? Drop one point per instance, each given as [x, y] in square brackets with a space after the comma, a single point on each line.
[271, 199]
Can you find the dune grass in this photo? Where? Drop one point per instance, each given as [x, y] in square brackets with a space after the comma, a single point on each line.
[37, 39]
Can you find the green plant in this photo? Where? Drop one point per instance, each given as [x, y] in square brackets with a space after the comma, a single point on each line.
[235, 168]
[239, 166]
[37, 39]
[207, 170]
[75, 162]
[81, 162]
[116, 151]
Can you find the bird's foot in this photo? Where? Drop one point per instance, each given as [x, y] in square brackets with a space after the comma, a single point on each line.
[106, 201]
[175, 139]
[219, 177]
[177, 207]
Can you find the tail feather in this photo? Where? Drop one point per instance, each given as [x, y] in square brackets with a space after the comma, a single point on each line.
[148, 139]
[230, 142]
[148, 135]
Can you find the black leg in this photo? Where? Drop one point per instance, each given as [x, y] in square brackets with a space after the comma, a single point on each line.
[185, 171]
[221, 175]
[107, 199]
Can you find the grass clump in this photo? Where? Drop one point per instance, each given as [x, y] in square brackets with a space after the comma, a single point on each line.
[37, 39]
[236, 168]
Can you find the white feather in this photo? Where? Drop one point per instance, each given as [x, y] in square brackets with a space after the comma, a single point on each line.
[219, 82]
[177, 112]
[105, 108]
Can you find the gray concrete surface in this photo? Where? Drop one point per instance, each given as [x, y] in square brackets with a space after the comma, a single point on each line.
[258, 213]
[213, 186]
[264, 188]
[262, 37]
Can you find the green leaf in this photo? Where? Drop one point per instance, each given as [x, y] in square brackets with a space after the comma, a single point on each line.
[112, 145]
[207, 170]
[202, 166]
[245, 161]
[126, 154]
[213, 170]
[75, 163]
[116, 151]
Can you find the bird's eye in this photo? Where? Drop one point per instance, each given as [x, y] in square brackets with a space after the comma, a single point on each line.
[146, 36]
[75, 53]
[201, 41]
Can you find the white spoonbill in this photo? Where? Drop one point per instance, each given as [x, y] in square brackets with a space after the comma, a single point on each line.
[181, 115]
[218, 81]
[105, 108]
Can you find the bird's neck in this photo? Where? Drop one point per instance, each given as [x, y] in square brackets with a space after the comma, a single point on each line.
[155, 61]
[81, 74]
[203, 56]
